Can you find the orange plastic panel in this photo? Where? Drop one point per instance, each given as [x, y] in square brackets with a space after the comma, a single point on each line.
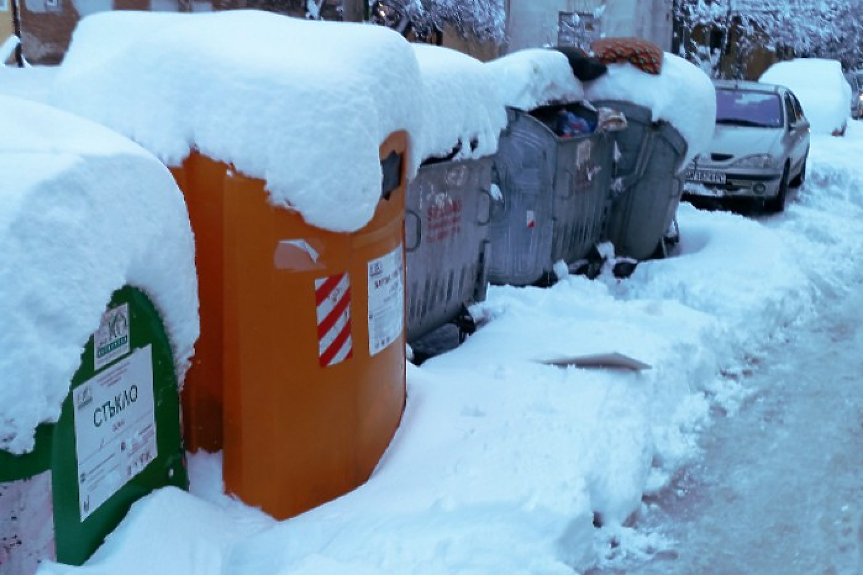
[202, 182]
[300, 425]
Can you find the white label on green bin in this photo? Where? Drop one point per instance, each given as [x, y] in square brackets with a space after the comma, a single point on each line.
[115, 428]
[386, 300]
[111, 340]
[26, 524]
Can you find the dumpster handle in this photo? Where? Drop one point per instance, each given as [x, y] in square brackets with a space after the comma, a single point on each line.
[411, 246]
[487, 220]
[644, 152]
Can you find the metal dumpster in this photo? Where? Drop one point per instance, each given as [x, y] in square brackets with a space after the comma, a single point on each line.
[648, 183]
[448, 208]
[554, 195]
[117, 439]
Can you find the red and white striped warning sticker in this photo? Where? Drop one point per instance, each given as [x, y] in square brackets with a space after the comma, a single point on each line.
[333, 298]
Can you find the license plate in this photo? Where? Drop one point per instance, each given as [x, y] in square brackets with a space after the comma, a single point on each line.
[706, 176]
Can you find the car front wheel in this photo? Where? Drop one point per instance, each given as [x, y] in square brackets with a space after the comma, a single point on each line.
[801, 177]
[777, 204]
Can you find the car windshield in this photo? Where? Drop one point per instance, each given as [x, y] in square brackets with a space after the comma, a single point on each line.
[748, 108]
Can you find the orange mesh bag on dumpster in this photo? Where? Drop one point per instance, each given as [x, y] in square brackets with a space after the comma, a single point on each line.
[641, 53]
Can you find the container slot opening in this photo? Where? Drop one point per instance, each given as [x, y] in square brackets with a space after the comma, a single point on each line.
[392, 174]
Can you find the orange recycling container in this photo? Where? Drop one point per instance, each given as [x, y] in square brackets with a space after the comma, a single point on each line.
[301, 378]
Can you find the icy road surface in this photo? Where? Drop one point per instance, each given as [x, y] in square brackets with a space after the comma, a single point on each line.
[779, 489]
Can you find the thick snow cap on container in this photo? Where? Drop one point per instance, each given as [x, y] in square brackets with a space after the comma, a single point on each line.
[83, 212]
[462, 107]
[534, 77]
[681, 94]
[303, 105]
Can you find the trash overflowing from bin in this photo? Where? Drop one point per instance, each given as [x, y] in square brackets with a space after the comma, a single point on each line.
[99, 315]
[449, 201]
[294, 169]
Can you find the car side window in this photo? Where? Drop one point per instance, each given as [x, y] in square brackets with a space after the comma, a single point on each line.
[790, 110]
[798, 109]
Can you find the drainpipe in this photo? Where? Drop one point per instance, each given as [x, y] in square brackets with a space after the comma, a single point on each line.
[16, 22]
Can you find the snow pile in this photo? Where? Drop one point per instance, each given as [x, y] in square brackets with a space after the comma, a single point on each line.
[501, 462]
[822, 89]
[461, 106]
[534, 77]
[681, 94]
[83, 212]
[303, 105]
[31, 83]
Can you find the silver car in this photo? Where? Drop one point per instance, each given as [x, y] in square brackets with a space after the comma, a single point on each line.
[856, 81]
[759, 147]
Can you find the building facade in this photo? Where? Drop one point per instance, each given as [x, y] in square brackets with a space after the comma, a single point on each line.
[536, 23]
[47, 25]
[7, 26]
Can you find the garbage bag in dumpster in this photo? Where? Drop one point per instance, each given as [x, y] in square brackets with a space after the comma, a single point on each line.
[554, 192]
[648, 185]
[311, 332]
[118, 438]
[446, 239]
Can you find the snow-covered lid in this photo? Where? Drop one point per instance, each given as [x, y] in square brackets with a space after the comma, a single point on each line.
[534, 77]
[461, 105]
[681, 94]
[83, 212]
[30, 83]
[303, 105]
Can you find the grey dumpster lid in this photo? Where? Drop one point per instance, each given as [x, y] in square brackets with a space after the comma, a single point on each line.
[681, 94]
[83, 211]
[303, 105]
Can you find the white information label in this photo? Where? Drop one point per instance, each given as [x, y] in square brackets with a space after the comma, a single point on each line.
[386, 300]
[26, 524]
[111, 340]
[115, 428]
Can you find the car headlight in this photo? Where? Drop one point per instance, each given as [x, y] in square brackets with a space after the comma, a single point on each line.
[755, 161]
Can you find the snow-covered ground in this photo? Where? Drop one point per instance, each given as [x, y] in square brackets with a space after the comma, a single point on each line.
[502, 464]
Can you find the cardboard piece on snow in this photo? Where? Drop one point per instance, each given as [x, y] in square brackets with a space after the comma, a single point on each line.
[612, 360]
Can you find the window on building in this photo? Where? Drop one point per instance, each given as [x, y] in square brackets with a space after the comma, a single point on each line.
[576, 29]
